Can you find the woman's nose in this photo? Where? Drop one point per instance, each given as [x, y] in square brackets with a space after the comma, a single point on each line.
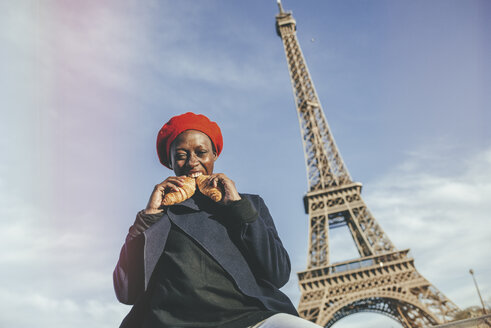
[193, 160]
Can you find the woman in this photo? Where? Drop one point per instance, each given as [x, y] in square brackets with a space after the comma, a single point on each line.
[199, 263]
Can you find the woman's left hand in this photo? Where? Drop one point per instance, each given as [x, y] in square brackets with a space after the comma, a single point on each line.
[227, 185]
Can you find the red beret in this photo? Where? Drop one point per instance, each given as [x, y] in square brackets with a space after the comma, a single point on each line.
[181, 123]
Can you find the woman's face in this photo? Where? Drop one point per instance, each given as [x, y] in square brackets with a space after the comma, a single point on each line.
[192, 153]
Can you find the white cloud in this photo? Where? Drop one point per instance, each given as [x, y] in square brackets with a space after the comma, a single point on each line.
[58, 276]
[42, 311]
[443, 218]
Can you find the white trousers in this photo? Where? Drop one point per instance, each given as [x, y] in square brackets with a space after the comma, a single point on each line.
[283, 320]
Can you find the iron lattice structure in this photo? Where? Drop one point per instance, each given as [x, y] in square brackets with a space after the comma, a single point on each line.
[383, 279]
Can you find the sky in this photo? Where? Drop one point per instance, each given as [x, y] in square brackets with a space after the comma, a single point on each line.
[86, 85]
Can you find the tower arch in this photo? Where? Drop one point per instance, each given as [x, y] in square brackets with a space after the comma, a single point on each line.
[404, 311]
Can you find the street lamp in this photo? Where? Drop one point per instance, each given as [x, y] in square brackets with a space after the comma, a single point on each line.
[478, 293]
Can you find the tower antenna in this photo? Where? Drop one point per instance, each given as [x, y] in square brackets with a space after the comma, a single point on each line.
[280, 6]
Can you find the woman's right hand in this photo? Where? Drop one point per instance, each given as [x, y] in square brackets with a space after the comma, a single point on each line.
[155, 202]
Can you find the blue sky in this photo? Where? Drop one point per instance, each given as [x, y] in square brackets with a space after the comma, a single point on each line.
[86, 86]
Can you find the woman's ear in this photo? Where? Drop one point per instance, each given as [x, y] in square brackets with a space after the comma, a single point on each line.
[215, 155]
[169, 155]
[170, 161]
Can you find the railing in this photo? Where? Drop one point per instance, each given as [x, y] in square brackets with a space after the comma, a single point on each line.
[352, 266]
[365, 262]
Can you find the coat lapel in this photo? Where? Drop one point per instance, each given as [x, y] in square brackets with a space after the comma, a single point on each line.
[213, 237]
[155, 239]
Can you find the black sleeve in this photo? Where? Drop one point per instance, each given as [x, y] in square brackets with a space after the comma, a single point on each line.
[241, 211]
[128, 276]
[142, 222]
[259, 236]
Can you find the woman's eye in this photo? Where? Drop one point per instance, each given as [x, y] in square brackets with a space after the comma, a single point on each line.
[180, 156]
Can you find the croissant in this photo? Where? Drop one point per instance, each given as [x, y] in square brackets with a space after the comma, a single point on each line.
[206, 189]
[185, 192]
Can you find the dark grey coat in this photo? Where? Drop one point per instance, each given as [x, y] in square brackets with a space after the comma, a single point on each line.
[251, 253]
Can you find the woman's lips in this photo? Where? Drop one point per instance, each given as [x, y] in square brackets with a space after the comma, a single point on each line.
[194, 174]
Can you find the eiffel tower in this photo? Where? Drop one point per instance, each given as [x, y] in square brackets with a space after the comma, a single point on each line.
[383, 279]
